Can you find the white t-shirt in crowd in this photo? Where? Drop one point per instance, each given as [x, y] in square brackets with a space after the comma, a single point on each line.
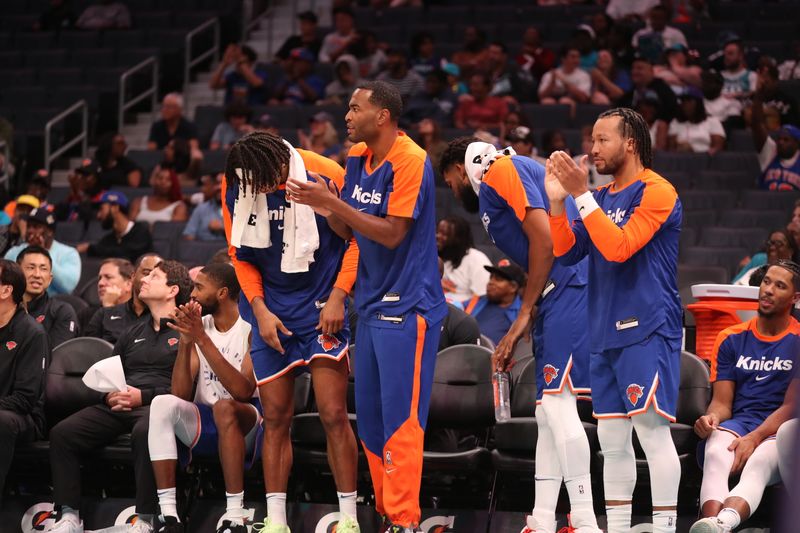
[698, 136]
[721, 108]
[233, 345]
[578, 77]
[669, 37]
[469, 279]
[617, 9]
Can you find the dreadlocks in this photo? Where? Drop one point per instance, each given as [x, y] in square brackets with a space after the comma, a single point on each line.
[460, 241]
[633, 126]
[454, 153]
[260, 156]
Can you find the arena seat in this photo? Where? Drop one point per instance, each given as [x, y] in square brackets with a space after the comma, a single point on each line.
[74, 301]
[665, 162]
[735, 162]
[87, 291]
[197, 252]
[486, 342]
[715, 180]
[698, 200]
[689, 275]
[722, 237]
[69, 232]
[546, 117]
[586, 114]
[749, 218]
[770, 201]
[727, 258]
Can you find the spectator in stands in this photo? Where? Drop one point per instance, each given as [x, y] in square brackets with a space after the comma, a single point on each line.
[56, 316]
[126, 239]
[322, 137]
[205, 224]
[647, 86]
[601, 24]
[15, 232]
[454, 81]
[38, 187]
[754, 390]
[629, 10]
[609, 83]
[370, 54]
[301, 86]
[105, 15]
[173, 125]
[178, 157]
[108, 323]
[116, 170]
[344, 33]
[568, 84]
[790, 69]
[148, 367]
[164, 204]
[726, 110]
[235, 126]
[346, 80]
[266, 123]
[308, 37]
[40, 231]
[553, 141]
[780, 246]
[114, 286]
[508, 80]
[678, 73]
[659, 129]
[423, 54]
[779, 158]
[653, 40]
[429, 138]
[595, 178]
[464, 275]
[24, 356]
[534, 57]
[692, 130]
[237, 73]
[522, 141]
[514, 118]
[739, 82]
[458, 327]
[397, 73]
[772, 97]
[84, 190]
[59, 15]
[481, 111]
[499, 307]
[473, 52]
[436, 102]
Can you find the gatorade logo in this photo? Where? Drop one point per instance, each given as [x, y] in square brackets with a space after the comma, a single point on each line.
[363, 197]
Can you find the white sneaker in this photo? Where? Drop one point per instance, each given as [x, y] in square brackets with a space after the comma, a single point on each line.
[709, 525]
[69, 523]
[140, 527]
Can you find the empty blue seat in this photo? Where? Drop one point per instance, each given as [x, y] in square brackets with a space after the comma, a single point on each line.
[770, 200]
[722, 237]
[697, 200]
[685, 162]
[544, 117]
[748, 218]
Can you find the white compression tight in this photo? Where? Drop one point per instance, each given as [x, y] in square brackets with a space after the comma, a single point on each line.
[562, 451]
[760, 471]
[786, 439]
[619, 468]
[717, 464]
[170, 418]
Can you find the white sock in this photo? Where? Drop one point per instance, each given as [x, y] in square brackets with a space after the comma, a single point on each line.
[619, 518]
[276, 508]
[580, 502]
[168, 501]
[347, 503]
[729, 517]
[664, 521]
[234, 507]
[544, 510]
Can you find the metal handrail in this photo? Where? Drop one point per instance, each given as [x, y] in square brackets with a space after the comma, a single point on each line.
[82, 137]
[189, 63]
[251, 19]
[152, 91]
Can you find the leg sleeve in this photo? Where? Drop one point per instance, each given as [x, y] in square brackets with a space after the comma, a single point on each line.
[171, 418]
[760, 471]
[717, 464]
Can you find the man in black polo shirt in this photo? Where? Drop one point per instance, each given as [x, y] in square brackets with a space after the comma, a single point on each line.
[148, 350]
[24, 355]
[127, 239]
[173, 125]
[58, 318]
[108, 323]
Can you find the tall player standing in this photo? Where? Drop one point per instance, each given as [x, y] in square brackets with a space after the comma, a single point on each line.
[630, 230]
[388, 203]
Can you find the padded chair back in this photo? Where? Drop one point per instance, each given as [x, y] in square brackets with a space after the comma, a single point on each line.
[65, 392]
[694, 393]
[88, 292]
[302, 393]
[486, 342]
[74, 301]
[523, 387]
[462, 388]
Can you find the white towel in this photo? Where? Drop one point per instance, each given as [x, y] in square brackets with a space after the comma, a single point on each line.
[478, 158]
[300, 235]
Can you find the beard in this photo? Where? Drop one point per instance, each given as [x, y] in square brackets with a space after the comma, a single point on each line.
[107, 223]
[469, 199]
[612, 166]
[208, 308]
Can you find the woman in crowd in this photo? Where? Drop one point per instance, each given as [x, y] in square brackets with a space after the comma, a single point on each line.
[693, 130]
[164, 204]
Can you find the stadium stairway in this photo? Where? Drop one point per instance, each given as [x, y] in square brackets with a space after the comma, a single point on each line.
[281, 23]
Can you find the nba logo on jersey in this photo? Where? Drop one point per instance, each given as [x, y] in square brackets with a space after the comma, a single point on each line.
[634, 393]
[328, 342]
[550, 373]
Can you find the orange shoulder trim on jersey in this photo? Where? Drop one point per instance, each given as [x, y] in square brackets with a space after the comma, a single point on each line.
[471, 304]
[248, 275]
[347, 273]
[408, 166]
[619, 244]
[357, 150]
[561, 233]
[323, 166]
[503, 177]
[722, 336]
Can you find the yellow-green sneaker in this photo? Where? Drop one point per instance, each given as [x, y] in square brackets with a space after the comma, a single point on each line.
[347, 525]
[268, 527]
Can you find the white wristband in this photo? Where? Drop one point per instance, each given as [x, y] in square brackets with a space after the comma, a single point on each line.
[586, 204]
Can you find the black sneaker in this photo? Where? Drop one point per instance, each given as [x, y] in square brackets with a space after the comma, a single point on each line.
[170, 524]
[231, 527]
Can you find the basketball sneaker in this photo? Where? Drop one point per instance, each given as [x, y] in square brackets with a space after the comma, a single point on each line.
[68, 523]
[709, 525]
[268, 527]
[347, 525]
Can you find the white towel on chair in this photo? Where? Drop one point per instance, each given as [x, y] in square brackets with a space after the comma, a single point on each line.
[250, 224]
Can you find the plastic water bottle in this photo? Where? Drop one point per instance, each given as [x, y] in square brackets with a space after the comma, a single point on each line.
[502, 400]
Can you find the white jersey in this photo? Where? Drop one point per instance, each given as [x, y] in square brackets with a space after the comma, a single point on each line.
[233, 345]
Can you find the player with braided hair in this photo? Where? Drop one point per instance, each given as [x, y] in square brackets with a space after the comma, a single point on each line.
[629, 229]
[297, 314]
